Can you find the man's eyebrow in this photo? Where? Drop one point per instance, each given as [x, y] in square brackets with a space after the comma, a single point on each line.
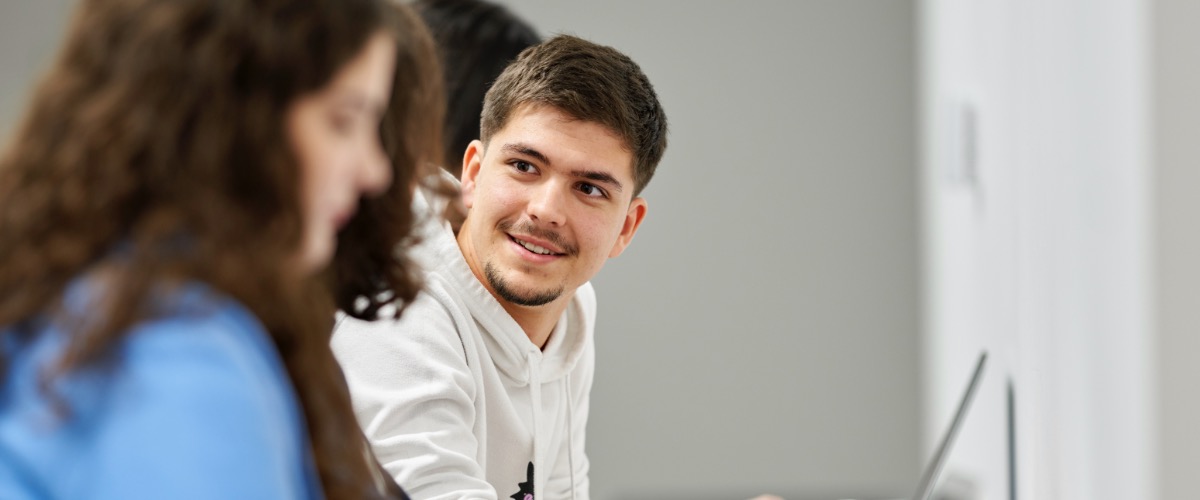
[524, 149]
[602, 177]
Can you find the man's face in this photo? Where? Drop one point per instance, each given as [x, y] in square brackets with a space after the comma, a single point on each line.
[548, 202]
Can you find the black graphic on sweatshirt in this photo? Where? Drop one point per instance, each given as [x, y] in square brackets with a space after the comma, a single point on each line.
[526, 492]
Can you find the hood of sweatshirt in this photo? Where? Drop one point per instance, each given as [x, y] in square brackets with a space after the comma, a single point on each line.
[512, 351]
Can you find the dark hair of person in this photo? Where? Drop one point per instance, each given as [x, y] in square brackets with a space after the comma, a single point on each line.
[476, 40]
[589, 82]
[154, 153]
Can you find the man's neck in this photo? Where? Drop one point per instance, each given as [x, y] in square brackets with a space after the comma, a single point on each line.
[538, 322]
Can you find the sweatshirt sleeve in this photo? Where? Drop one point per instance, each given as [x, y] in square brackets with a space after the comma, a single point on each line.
[413, 394]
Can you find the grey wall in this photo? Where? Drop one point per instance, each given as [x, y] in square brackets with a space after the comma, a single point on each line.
[29, 34]
[761, 332]
[1177, 127]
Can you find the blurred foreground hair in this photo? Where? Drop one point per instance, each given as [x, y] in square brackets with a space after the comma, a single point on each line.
[154, 152]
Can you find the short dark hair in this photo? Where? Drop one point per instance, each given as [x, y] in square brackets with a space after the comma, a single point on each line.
[476, 40]
[590, 82]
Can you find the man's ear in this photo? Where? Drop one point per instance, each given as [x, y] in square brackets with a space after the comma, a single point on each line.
[633, 219]
[472, 162]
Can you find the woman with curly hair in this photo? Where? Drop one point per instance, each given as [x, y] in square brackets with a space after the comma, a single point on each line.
[196, 187]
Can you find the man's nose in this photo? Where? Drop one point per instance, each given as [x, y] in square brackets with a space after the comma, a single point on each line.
[546, 203]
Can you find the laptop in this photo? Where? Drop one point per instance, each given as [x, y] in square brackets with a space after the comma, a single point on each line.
[929, 478]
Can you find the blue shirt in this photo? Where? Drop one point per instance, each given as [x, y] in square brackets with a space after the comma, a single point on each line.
[196, 404]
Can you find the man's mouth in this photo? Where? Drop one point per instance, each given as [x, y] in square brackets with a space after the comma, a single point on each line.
[540, 250]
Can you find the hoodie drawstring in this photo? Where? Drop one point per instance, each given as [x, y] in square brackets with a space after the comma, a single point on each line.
[570, 434]
[535, 387]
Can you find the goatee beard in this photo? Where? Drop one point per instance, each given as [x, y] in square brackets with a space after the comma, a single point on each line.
[506, 292]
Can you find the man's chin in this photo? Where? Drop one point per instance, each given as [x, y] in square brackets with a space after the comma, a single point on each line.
[519, 294]
[526, 297]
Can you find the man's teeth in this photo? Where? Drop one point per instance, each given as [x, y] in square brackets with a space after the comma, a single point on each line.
[534, 248]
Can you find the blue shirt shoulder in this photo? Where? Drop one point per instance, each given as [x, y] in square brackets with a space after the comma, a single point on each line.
[193, 403]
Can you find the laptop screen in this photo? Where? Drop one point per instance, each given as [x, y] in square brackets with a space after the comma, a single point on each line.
[929, 478]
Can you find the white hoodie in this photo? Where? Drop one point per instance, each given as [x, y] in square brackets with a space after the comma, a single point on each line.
[458, 402]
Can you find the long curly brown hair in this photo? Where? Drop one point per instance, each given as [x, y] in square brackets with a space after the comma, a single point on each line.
[371, 268]
[153, 153]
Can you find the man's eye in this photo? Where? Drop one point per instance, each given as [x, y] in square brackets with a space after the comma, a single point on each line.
[592, 190]
[523, 166]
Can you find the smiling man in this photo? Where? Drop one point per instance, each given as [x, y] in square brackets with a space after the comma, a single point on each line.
[481, 389]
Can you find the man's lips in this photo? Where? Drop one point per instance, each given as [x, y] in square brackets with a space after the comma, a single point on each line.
[536, 246]
[537, 240]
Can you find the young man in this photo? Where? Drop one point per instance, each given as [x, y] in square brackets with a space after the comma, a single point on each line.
[481, 389]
